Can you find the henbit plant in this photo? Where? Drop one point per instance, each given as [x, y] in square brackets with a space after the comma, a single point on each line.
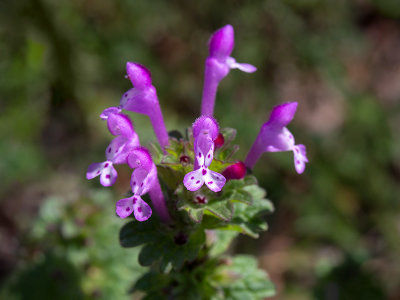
[203, 197]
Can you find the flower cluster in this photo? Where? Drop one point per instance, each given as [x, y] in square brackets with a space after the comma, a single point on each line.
[125, 148]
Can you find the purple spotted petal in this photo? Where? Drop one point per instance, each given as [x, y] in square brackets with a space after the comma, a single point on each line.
[209, 155]
[199, 158]
[124, 207]
[108, 176]
[282, 115]
[204, 149]
[119, 124]
[221, 42]
[94, 170]
[274, 137]
[231, 62]
[194, 180]
[214, 181]
[142, 180]
[129, 95]
[116, 151]
[141, 209]
[300, 158]
[139, 75]
[108, 111]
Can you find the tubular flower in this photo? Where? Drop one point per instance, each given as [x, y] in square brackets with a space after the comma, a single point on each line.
[144, 180]
[205, 130]
[117, 151]
[218, 65]
[142, 99]
[274, 137]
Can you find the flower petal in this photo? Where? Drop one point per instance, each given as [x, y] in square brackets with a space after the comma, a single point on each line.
[108, 175]
[140, 181]
[204, 149]
[300, 158]
[283, 114]
[94, 170]
[139, 75]
[119, 124]
[208, 124]
[199, 157]
[209, 156]
[141, 101]
[277, 139]
[124, 207]
[214, 181]
[119, 149]
[141, 209]
[140, 158]
[194, 180]
[221, 42]
[231, 62]
[109, 111]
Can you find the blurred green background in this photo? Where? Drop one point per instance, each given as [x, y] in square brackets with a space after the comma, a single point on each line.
[336, 230]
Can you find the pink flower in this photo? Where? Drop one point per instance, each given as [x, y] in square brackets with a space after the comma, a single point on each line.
[217, 66]
[144, 180]
[205, 130]
[117, 151]
[275, 137]
[142, 99]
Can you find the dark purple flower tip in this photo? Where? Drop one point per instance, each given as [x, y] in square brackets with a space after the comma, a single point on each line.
[140, 158]
[139, 75]
[219, 141]
[235, 171]
[205, 123]
[283, 114]
[119, 124]
[200, 199]
[184, 160]
[221, 42]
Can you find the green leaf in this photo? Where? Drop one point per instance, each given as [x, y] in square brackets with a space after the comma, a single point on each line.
[227, 150]
[162, 243]
[248, 219]
[137, 233]
[223, 239]
[243, 280]
[151, 253]
[221, 209]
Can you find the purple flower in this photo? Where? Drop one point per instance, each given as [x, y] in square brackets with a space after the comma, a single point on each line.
[117, 151]
[218, 65]
[274, 137]
[205, 131]
[143, 99]
[144, 180]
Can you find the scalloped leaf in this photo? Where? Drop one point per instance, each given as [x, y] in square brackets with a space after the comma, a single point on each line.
[244, 280]
[161, 243]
